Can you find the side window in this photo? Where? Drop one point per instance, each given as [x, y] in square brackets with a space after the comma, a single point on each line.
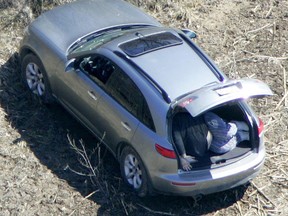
[123, 89]
[146, 116]
[125, 92]
[98, 68]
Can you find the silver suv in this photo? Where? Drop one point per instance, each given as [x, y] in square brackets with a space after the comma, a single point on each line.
[123, 74]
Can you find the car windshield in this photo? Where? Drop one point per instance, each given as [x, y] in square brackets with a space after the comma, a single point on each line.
[97, 39]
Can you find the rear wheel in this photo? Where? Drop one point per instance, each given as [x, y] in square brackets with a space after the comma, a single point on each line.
[35, 78]
[133, 171]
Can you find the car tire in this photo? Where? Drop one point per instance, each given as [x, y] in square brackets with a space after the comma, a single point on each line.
[35, 78]
[133, 171]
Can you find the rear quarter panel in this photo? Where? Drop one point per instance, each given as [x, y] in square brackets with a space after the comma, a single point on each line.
[156, 165]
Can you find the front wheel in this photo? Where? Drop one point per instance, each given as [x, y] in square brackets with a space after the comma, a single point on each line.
[35, 78]
[133, 171]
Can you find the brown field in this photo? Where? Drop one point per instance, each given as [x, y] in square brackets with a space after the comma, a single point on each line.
[40, 172]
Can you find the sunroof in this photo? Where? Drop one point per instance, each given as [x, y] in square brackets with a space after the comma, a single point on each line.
[149, 43]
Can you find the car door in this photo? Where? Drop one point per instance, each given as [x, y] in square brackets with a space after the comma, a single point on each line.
[80, 89]
[109, 101]
[121, 106]
[118, 104]
[217, 94]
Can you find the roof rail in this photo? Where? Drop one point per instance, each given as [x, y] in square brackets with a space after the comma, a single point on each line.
[145, 75]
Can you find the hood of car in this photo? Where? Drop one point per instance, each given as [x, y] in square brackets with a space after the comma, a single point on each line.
[66, 24]
[216, 94]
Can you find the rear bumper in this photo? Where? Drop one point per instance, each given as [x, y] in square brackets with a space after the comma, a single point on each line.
[213, 180]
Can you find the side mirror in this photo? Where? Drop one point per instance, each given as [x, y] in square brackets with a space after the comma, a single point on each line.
[189, 33]
[69, 67]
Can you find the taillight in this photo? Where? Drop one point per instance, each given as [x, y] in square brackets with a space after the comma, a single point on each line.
[260, 127]
[165, 152]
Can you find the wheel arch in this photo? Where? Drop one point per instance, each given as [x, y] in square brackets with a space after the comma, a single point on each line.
[26, 51]
[120, 148]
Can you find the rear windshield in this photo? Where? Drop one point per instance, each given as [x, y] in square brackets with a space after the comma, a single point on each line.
[149, 43]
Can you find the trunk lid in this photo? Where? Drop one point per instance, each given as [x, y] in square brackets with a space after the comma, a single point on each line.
[216, 94]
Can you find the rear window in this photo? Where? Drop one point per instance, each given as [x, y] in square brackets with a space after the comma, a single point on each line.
[149, 43]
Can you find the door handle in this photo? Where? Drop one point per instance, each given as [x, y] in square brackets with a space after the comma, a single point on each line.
[92, 95]
[126, 126]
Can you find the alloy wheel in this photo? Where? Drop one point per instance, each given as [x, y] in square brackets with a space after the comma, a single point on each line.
[133, 171]
[34, 78]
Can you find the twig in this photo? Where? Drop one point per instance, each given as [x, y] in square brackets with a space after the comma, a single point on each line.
[78, 173]
[72, 212]
[259, 29]
[256, 8]
[154, 212]
[258, 205]
[263, 194]
[124, 207]
[283, 98]
[273, 33]
[269, 12]
[91, 194]
[86, 158]
[239, 208]
[284, 82]
[284, 172]
[264, 56]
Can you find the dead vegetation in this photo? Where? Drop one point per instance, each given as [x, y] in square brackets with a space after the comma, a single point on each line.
[41, 174]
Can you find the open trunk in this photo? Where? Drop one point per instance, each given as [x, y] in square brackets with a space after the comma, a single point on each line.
[238, 111]
[226, 100]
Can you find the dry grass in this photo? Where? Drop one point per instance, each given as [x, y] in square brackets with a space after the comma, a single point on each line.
[245, 38]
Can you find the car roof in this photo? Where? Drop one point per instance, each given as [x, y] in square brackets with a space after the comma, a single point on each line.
[65, 24]
[177, 69]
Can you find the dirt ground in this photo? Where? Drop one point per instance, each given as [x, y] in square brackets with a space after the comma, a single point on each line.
[40, 172]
